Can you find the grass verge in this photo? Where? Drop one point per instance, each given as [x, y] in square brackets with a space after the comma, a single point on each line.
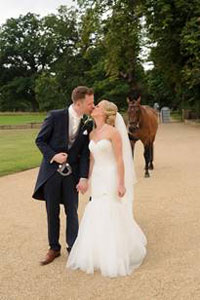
[18, 151]
[14, 119]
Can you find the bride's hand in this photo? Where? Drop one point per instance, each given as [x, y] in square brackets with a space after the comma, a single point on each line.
[82, 186]
[121, 190]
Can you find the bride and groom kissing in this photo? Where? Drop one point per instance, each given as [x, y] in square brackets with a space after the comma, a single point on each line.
[81, 152]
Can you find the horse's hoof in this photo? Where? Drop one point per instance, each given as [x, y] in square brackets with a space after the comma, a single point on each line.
[146, 175]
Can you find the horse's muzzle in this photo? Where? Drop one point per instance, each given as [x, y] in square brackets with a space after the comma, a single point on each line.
[133, 128]
[132, 137]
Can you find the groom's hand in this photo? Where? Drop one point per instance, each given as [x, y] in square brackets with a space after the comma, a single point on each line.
[60, 158]
[82, 186]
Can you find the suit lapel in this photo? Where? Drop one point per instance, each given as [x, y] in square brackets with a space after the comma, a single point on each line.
[80, 127]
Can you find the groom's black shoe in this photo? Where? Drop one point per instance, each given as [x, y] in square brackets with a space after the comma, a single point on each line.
[50, 256]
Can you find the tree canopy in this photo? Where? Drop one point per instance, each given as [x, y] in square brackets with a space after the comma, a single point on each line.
[99, 44]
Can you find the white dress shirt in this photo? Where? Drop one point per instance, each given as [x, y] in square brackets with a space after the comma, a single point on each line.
[74, 123]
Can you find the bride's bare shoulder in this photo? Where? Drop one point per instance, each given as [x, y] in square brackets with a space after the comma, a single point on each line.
[113, 132]
[111, 128]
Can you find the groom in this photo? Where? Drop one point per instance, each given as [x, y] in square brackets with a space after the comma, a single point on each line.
[63, 141]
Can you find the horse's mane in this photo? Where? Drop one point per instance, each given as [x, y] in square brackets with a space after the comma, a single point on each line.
[149, 108]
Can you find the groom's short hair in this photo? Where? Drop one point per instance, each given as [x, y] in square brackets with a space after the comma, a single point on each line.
[80, 92]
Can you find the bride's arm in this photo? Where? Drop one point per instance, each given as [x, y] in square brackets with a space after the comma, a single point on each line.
[91, 156]
[117, 146]
[91, 165]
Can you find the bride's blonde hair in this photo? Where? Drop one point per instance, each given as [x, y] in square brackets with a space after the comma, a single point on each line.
[110, 112]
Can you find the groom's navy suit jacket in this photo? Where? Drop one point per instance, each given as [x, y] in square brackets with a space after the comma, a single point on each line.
[52, 139]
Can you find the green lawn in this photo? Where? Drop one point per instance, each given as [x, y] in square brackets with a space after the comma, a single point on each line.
[17, 119]
[18, 151]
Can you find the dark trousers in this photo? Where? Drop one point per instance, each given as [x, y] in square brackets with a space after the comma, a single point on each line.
[59, 188]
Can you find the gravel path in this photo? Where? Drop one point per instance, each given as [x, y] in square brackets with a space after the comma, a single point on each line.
[166, 206]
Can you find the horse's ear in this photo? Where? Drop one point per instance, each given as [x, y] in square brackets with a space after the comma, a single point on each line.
[127, 100]
[139, 100]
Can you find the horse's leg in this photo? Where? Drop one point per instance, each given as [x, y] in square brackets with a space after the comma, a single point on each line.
[133, 147]
[151, 167]
[147, 159]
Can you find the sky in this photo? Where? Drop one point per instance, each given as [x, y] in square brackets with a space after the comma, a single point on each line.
[13, 8]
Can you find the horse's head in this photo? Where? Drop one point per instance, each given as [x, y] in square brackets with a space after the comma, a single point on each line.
[133, 114]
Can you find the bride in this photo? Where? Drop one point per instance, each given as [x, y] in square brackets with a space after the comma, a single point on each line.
[109, 239]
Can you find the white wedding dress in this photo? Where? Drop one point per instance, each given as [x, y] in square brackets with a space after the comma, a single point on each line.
[109, 239]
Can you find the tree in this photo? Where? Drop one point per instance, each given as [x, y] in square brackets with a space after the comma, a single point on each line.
[48, 92]
[173, 29]
[190, 49]
[19, 59]
[115, 37]
[159, 90]
[30, 45]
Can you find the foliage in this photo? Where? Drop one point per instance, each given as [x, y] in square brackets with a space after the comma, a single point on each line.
[99, 44]
[159, 89]
[29, 46]
[173, 28]
[48, 92]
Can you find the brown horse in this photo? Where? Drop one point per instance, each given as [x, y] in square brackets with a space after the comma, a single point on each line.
[142, 125]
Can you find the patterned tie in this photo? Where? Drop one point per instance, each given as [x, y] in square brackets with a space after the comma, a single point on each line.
[74, 129]
[75, 125]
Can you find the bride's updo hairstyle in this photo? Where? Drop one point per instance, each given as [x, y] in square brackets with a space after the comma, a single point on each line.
[110, 111]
